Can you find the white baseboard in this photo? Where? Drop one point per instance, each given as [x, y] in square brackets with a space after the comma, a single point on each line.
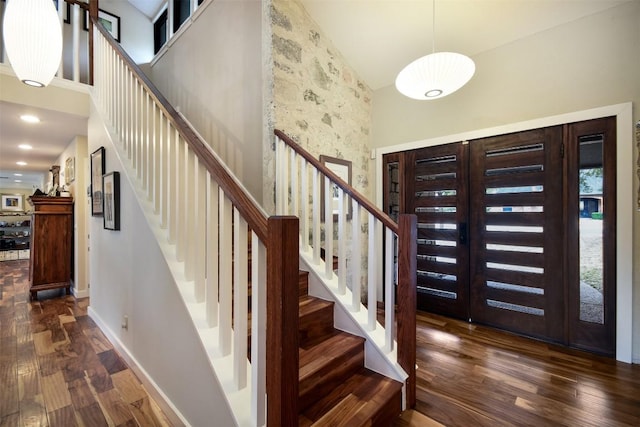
[80, 294]
[169, 410]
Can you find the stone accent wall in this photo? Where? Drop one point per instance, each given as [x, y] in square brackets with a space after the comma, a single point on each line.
[318, 100]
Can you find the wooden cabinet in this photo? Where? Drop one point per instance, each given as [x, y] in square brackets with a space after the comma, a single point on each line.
[51, 243]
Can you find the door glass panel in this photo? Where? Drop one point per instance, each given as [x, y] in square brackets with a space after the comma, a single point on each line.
[591, 235]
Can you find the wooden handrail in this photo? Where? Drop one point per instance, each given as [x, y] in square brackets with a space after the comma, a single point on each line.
[251, 212]
[348, 189]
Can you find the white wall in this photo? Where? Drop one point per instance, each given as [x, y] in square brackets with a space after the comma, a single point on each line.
[129, 276]
[592, 62]
[212, 73]
[77, 149]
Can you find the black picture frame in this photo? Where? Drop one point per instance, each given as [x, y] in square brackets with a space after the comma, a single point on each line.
[342, 168]
[97, 170]
[111, 200]
[66, 14]
[110, 22]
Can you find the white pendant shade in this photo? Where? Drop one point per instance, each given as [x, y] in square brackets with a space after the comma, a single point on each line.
[33, 40]
[436, 75]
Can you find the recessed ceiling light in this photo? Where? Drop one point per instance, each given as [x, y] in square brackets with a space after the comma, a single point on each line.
[17, 174]
[17, 180]
[25, 147]
[21, 163]
[30, 118]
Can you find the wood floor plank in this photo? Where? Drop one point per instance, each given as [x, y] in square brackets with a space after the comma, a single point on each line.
[33, 412]
[92, 415]
[63, 417]
[55, 391]
[144, 414]
[81, 393]
[116, 409]
[473, 375]
[55, 363]
[97, 340]
[128, 386]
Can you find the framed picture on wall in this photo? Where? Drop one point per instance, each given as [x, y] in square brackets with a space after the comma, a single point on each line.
[108, 20]
[12, 203]
[97, 170]
[342, 168]
[69, 170]
[111, 187]
[66, 10]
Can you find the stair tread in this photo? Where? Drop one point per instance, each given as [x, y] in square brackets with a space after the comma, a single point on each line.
[309, 304]
[356, 401]
[314, 357]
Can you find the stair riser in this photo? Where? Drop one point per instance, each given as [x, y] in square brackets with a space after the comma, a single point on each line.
[315, 326]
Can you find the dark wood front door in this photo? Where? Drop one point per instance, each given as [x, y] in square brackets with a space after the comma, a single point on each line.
[436, 185]
[502, 226]
[516, 232]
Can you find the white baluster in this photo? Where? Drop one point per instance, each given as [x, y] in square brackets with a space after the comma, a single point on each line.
[389, 288]
[191, 169]
[212, 251]
[172, 200]
[342, 244]
[278, 177]
[200, 230]
[304, 216]
[224, 335]
[294, 183]
[316, 214]
[240, 284]
[180, 179]
[328, 228]
[258, 330]
[356, 261]
[75, 23]
[372, 275]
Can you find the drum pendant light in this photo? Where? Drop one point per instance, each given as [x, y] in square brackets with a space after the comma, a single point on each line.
[33, 40]
[436, 75]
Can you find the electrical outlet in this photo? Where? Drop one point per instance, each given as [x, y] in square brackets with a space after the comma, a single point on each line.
[125, 322]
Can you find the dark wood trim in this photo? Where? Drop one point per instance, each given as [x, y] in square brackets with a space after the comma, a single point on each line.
[93, 14]
[407, 300]
[247, 207]
[348, 190]
[282, 321]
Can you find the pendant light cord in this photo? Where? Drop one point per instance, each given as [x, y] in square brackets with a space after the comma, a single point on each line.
[433, 27]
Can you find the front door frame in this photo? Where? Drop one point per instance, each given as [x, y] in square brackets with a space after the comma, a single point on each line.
[624, 204]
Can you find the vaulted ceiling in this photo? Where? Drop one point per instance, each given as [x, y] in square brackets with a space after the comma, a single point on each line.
[377, 38]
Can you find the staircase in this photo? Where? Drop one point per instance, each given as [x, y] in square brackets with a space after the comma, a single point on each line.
[334, 386]
[223, 251]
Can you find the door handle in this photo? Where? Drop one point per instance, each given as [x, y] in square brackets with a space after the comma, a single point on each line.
[462, 233]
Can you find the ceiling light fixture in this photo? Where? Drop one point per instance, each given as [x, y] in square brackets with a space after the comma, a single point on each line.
[17, 174]
[436, 75]
[25, 147]
[21, 163]
[33, 40]
[29, 118]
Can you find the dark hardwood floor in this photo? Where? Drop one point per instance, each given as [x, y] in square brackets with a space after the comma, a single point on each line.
[470, 375]
[58, 369]
[56, 366]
